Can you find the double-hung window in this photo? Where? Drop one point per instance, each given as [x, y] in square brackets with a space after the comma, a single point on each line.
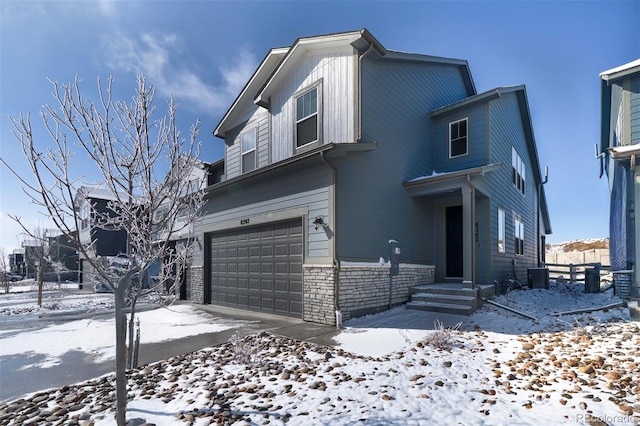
[307, 129]
[517, 171]
[518, 232]
[248, 147]
[458, 138]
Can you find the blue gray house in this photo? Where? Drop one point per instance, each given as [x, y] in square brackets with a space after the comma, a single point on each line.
[620, 147]
[342, 156]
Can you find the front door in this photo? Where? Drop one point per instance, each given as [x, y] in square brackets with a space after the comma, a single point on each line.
[454, 253]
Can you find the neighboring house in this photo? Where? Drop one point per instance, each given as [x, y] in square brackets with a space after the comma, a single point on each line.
[620, 147]
[340, 152]
[16, 262]
[62, 255]
[101, 241]
[201, 176]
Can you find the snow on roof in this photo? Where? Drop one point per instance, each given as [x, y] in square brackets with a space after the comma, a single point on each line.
[621, 70]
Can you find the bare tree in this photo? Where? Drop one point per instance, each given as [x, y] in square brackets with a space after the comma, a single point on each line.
[145, 165]
[36, 257]
[4, 269]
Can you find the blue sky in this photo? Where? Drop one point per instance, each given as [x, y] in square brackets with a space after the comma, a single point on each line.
[202, 52]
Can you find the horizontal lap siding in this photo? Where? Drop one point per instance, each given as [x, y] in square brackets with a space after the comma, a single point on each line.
[477, 151]
[307, 190]
[373, 206]
[635, 110]
[506, 130]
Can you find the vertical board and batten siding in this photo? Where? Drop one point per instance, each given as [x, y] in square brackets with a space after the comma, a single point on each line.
[373, 206]
[506, 131]
[336, 69]
[259, 118]
[306, 191]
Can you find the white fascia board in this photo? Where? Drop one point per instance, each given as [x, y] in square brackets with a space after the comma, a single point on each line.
[262, 74]
[297, 50]
[626, 151]
[621, 71]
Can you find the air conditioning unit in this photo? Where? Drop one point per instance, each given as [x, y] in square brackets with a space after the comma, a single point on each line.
[538, 277]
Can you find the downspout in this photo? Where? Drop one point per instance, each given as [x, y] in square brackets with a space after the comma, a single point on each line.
[538, 247]
[360, 59]
[336, 261]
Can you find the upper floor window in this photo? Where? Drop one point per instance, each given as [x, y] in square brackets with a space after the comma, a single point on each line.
[518, 232]
[307, 118]
[458, 138]
[248, 148]
[517, 171]
[84, 216]
[501, 231]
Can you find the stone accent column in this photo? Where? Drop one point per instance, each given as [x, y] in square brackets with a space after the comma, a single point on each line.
[319, 294]
[196, 284]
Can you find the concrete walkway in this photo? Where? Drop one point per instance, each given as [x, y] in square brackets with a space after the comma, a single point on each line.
[256, 322]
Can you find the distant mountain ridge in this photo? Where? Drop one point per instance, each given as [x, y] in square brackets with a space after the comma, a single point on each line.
[578, 245]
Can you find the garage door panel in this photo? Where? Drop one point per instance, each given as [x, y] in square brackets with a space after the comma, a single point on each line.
[259, 268]
[295, 249]
[266, 286]
[295, 268]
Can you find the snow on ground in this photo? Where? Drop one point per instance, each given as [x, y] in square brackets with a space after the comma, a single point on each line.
[97, 336]
[498, 368]
[22, 299]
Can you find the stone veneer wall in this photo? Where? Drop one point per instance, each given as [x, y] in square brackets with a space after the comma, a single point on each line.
[364, 289]
[622, 283]
[318, 294]
[195, 280]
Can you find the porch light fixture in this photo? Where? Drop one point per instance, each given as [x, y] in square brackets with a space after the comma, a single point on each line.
[318, 222]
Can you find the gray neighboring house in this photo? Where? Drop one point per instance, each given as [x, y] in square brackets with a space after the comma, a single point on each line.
[620, 145]
[341, 155]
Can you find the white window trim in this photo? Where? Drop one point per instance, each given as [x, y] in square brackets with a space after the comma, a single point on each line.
[466, 152]
[502, 230]
[518, 165]
[318, 87]
[518, 234]
[253, 130]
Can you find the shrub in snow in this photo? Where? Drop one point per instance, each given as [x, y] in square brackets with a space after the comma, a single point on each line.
[244, 350]
[441, 337]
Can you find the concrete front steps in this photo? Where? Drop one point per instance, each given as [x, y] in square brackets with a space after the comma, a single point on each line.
[449, 298]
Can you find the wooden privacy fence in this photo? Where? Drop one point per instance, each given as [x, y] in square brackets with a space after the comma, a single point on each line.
[574, 272]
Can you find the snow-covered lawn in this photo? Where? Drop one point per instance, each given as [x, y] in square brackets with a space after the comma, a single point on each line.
[499, 368]
[22, 299]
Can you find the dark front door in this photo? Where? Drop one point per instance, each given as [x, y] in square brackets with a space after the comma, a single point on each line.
[454, 253]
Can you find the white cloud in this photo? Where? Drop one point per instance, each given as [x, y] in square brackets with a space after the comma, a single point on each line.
[159, 58]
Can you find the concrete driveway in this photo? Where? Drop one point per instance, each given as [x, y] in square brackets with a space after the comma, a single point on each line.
[16, 378]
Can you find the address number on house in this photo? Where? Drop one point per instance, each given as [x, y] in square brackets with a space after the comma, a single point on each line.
[244, 221]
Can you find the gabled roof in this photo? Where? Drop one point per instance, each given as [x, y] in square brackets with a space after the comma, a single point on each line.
[607, 78]
[275, 68]
[523, 104]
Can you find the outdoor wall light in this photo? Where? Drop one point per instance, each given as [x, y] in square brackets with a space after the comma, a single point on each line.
[318, 222]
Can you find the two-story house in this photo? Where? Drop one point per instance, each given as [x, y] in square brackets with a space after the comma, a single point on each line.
[100, 241]
[620, 147]
[342, 155]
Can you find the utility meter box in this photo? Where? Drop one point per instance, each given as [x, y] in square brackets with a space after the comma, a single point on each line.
[394, 257]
